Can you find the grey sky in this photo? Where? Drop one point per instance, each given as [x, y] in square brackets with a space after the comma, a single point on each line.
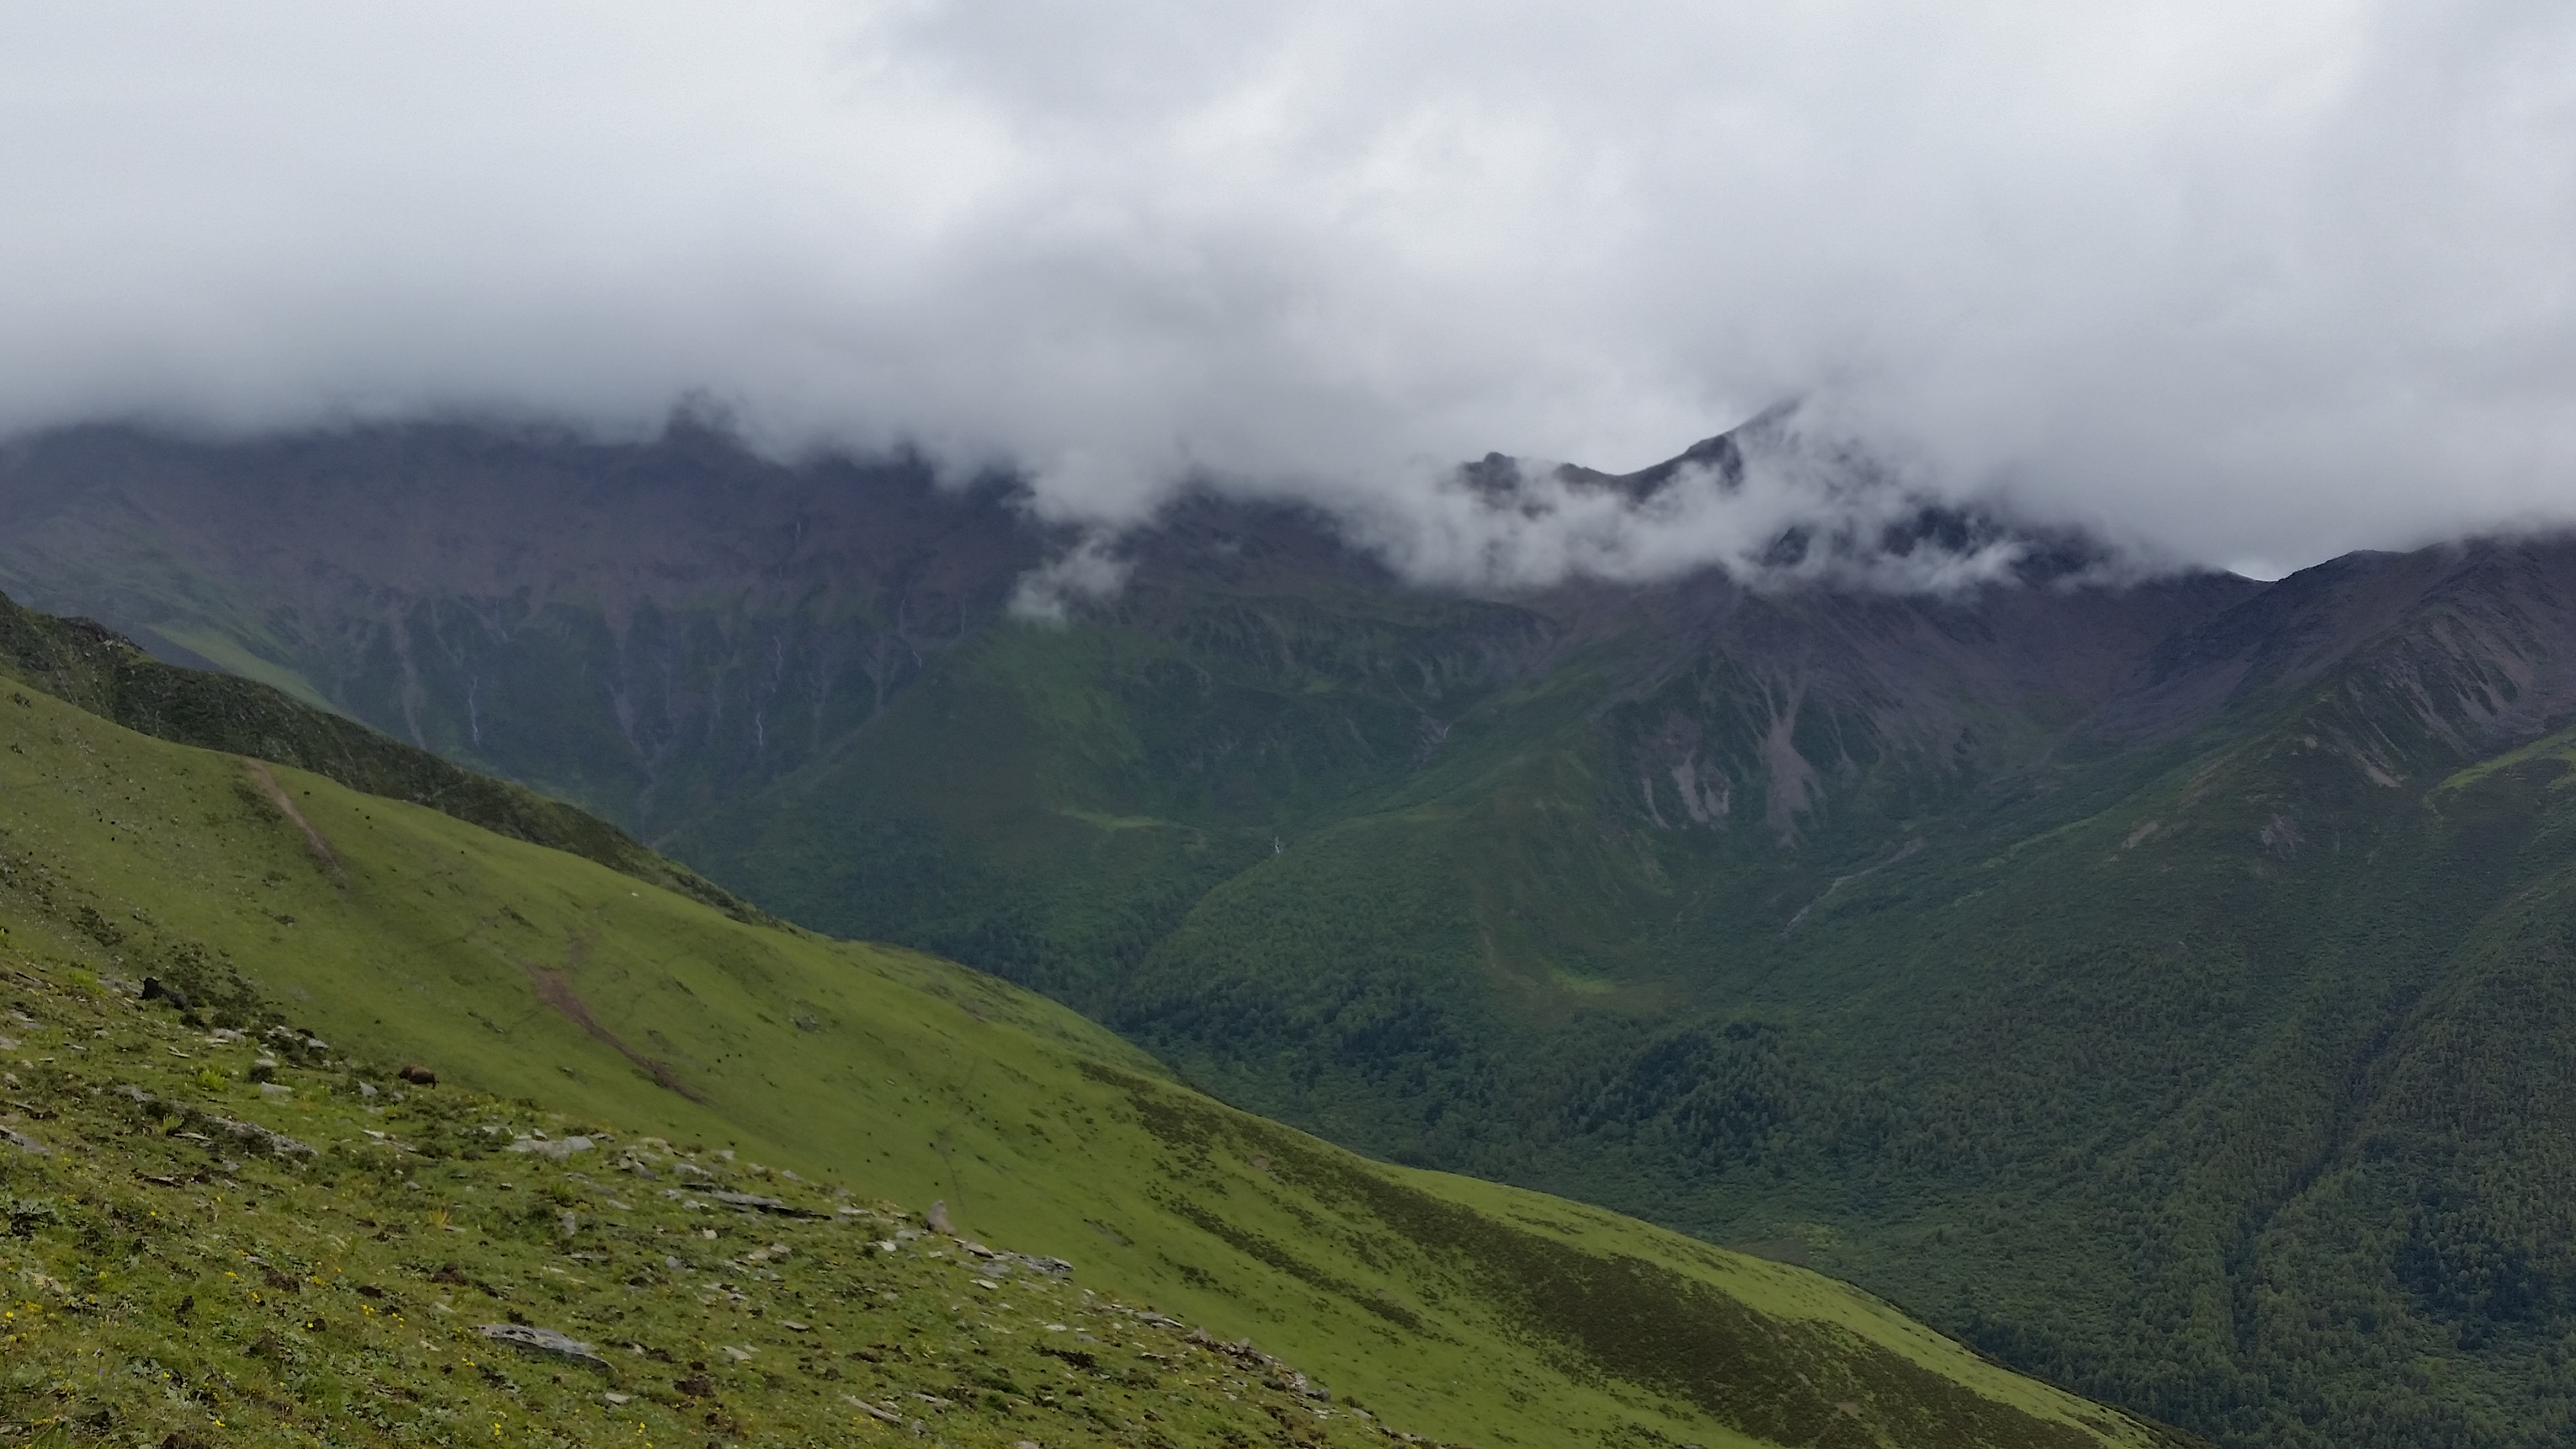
[2250, 284]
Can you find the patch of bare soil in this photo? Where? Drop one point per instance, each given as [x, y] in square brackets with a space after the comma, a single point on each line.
[313, 839]
[554, 988]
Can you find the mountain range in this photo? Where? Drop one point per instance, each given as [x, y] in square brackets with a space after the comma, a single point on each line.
[2158, 981]
[684, 1173]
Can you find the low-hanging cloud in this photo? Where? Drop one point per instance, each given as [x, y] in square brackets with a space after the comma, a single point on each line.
[2245, 285]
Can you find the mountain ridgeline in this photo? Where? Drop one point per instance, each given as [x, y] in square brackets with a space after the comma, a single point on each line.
[2163, 985]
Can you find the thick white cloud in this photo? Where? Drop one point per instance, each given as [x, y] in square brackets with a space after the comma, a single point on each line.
[2249, 283]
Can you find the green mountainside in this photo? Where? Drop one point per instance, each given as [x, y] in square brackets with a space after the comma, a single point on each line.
[110, 676]
[2158, 986]
[687, 1141]
[2209, 1069]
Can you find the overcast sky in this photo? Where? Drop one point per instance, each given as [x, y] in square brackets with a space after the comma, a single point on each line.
[2253, 284]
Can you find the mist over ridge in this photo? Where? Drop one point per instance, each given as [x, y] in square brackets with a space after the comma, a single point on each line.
[1770, 505]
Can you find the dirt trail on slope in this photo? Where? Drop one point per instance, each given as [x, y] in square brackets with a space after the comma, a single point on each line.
[313, 838]
[554, 988]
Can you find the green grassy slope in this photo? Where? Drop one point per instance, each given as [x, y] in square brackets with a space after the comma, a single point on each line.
[1450, 1307]
[174, 1281]
[110, 677]
[2222, 1082]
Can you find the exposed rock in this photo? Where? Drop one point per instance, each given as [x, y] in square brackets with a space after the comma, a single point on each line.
[546, 1341]
[277, 1142]
[1241, 1348]
[753, 1202]
[999, 1262]
[24, 1143]
[558, 1149]
[296, 1038]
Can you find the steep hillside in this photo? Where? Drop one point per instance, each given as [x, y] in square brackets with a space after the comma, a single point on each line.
[2182, 1070]
[398, 934]
[397, 1262]
[103, 672]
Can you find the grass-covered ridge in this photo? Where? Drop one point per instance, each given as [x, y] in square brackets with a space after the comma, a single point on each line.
[1450, 1308]
[109, 676]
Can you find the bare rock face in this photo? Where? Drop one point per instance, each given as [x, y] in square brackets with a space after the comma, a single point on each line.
[545, 1342]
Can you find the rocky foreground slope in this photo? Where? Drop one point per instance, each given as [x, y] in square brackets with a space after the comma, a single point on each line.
[225, 1238]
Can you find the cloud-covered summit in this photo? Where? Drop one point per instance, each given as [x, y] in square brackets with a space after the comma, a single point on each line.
[1775, 504]
[2246, 286]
